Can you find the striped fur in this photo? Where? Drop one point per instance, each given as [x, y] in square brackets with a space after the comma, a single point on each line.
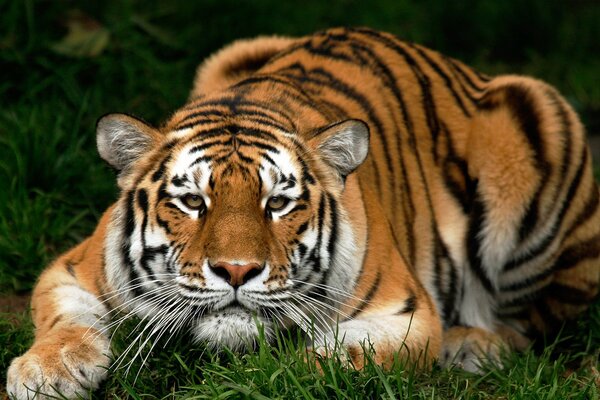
[472, 223]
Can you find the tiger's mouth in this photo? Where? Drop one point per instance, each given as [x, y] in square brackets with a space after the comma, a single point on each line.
[253, 296]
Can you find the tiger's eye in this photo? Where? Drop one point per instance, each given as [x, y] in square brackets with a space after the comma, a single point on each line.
[193, 201]
[277, 203]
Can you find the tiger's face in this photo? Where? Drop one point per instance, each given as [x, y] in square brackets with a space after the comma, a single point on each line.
[225, 229]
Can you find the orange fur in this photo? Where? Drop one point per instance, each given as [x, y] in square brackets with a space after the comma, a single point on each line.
[472, 224]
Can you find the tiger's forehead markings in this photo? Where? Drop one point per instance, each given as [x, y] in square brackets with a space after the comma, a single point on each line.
[201, 152]
[185, 177]
[279, 172]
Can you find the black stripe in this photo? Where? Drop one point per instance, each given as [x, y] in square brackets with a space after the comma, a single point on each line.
[142, 198]
[260, 108]
[198, 123]
[333, 235]
[482, 77]
[260, 133]
[367, 299]
[591, 205]
[149, 254]
[290, 182]
[172, 206]
[200, 160]
[245, 159]
[160, 171]
[569, 294]
[449, 277]
[459, 68]
[316, 252]
[307, 177]
[447, 81]
[207, 144]
[410, 305]
[269, 160]
[302, 251]
[70, 269]
[578, 252]
[179, 181]
[224, 131]
[55, 321]
[128, 228]
[249, 117]
[529, 281]
[163, 224]
[297, 207]
[201, 113]
[476, 220]
[518, 303]
[268, 79]
[551, 236]
[259, 145]
[380, 69]
[302, 228]
[473, 99]
[565, 130]
[158, 174]
[460, 190]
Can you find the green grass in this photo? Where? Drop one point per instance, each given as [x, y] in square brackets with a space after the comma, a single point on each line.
[280, 371]
[140, 59]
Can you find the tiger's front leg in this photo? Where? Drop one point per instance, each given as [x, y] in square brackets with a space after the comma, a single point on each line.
[389, 312]
[70, 354]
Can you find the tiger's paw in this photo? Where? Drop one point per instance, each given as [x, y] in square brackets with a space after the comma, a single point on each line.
[353, 344]
[471, 349]
[63, 362]
[350, 356]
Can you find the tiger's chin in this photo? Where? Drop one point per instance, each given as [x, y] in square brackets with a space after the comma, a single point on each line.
[233, 327]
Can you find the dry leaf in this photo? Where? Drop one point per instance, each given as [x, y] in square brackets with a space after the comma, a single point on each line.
[85, 37]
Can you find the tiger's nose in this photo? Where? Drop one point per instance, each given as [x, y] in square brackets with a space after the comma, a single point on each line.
[236, 275]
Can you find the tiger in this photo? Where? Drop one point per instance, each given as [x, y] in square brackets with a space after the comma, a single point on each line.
[371, 192]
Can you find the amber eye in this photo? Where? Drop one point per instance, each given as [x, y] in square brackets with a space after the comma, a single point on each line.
[194, 202]
[277, 203]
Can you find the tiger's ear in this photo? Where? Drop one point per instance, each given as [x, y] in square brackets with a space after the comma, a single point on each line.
[122, 139]
[343, 145]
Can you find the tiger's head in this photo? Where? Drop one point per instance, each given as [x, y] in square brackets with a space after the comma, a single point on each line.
[228, 221]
